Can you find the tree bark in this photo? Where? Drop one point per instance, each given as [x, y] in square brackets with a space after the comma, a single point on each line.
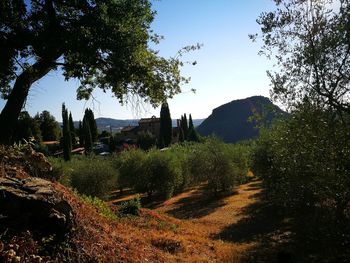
[19, 93]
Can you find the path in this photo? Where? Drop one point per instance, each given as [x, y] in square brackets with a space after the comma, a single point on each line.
[218, 219]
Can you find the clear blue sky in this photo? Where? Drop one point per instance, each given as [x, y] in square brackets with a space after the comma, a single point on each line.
[228, 65]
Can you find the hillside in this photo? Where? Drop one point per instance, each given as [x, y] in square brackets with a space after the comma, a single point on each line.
[231, 121]
[104, 123]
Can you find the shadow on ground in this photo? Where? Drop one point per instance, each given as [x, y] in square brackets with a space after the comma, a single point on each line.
[283, 236]
[200, 203]
[265, 225]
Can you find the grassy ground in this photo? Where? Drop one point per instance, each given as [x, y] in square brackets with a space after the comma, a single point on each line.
[203, 222]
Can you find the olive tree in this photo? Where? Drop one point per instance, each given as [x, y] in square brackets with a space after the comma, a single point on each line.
[310, 41]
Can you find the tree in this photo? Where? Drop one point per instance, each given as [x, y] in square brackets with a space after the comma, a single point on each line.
[192, 133]
[81, 134]
[184, 126]
[146, 140]
[103, 44]
[166, 126]
[72, 129]
[67, 141]
[87, 138]
[49, 127]
[26, 128]
[90, 118]
[181, 132]
[311, 44]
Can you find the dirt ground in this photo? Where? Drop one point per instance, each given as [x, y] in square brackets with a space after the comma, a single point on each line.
[234, 225]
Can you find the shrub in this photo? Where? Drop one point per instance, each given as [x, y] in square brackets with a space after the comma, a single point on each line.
[93, 176]
[130, 163]
[165, 172]
[131, 207]
[146, 140]
[162, 172]
[216, 163]
[304, 161]
[102, 207]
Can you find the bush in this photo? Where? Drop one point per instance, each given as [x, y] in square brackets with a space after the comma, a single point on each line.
[130, 164]
[102, 207]
[218, 164]
[93, 176]
[146, 140]
[162, 172]
[304, 161]
[131, 207]
[165, 172]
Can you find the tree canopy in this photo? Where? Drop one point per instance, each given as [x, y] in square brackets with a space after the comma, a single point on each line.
[310, 40]
[166, 127]
[103, 44]
[49, 127]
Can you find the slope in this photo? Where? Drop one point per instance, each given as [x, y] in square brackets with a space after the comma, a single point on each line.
[233, 122]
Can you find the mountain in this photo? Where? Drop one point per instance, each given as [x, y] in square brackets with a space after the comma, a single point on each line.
[105, 123]
[231, 121]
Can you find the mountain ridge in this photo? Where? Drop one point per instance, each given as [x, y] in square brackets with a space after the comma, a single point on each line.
[232, 121]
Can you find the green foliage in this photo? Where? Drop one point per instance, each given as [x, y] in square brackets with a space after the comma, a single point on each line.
[101, 205]
[218, 163]
[146, 140]
[90, 119]
[158, 172]
[310, 43]
[49, 127]
[165, 172]
[193, 136]
[72, 130]
[162, 174]
[67, 141]
[86, 136]
[27, 127]
[91, 176]
[184, 126]
[103, 44]
[166, 127]
[129, 164]
[304, 160]
[131, 207]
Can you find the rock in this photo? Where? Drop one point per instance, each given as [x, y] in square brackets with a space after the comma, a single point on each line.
[24, 163]
[33, 203]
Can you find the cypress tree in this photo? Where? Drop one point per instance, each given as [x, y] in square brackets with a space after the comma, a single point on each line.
[92, 124]
[87, 135]
[181, 133]
[190, 123]
[185, 127]
[67, 141]
[81, 134]
[192, 133]
[165, 126]
[72, 129]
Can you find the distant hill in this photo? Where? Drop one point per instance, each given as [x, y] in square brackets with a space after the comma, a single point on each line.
[104, 123]
[230, 121]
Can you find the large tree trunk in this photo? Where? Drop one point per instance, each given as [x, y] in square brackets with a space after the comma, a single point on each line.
[15, 102]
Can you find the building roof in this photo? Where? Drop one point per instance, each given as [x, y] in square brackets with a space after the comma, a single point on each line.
[129, 128]
[148, 120]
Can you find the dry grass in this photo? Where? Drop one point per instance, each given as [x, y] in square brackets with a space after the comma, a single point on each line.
[156, 237]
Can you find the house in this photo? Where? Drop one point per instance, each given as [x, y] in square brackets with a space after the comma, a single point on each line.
[151, 125]
[130, 132]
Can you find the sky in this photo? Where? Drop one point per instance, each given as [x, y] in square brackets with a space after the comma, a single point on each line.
[228, 65]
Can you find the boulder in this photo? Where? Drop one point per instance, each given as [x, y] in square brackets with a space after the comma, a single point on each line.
[33, 203]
